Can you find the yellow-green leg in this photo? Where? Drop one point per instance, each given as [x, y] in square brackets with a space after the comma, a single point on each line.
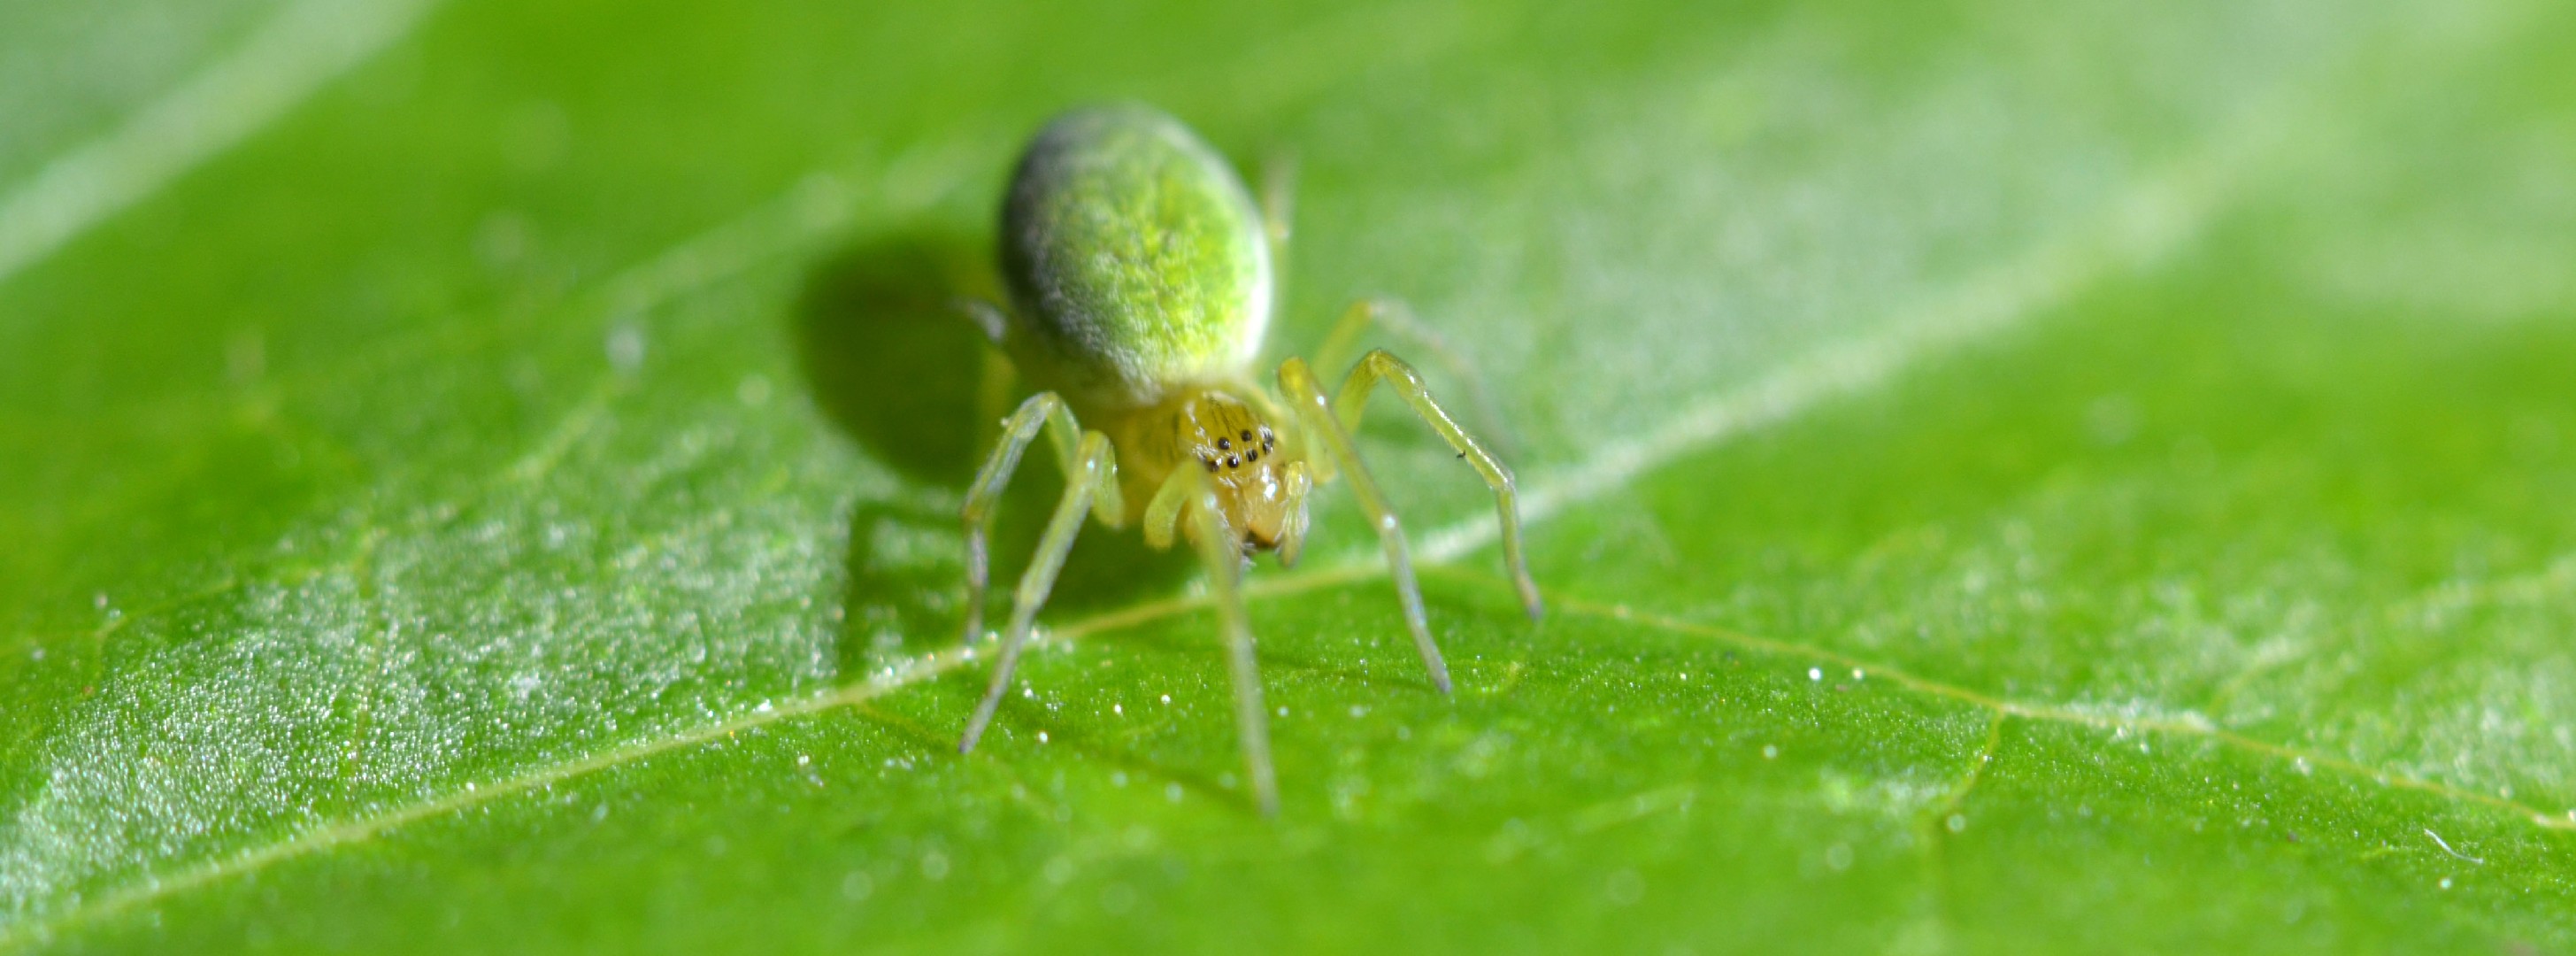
[1220, 549]
[1278, 209]
[1292, 536]
[1092, 478]
[1315, 413]
[1163, 514]
[1041, 411]
[984, 495]
[1344, 341]
[1380, 366]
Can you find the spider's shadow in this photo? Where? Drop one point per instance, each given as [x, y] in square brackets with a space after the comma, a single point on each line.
[899, 369]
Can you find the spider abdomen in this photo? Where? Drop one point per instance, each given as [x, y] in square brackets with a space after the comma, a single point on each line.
[1135, 258]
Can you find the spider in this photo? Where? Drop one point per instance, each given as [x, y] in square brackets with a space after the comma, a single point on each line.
[1140, 277]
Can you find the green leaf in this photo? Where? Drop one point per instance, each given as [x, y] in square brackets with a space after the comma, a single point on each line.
[2007, 476]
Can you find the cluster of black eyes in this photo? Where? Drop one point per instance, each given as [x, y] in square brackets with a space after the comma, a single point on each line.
[1250, 454]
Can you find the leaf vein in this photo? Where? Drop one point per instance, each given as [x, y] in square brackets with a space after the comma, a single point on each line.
[2191, 725]
[914, 671]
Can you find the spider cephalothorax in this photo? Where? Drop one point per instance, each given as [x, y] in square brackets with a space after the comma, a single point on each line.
[1257, 483]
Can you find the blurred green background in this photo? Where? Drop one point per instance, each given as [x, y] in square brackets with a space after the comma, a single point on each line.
[2010, 476]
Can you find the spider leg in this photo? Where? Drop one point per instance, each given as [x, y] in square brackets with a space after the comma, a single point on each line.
[1219, 549]
[1043, 410]
[1392, 314]
[984, 495]
[1316, 414]
[1292, 537]
[1278, 201]
[1093, 477]
[988, 318]
[1381, 366]
[1163, 514]
[995, 379]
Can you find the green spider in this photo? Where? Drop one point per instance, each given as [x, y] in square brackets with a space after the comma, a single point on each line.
[1141, 279]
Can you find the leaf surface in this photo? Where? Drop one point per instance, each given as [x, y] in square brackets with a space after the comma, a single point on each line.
[2006, 476]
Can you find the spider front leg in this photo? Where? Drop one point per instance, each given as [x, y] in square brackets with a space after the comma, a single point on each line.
[1394, 316]
[1381, 366]
[1188, 492]
[1163, 513]
[1315, 413]
[1091, 484]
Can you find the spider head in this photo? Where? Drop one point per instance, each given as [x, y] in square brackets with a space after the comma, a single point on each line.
[1259, 491]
